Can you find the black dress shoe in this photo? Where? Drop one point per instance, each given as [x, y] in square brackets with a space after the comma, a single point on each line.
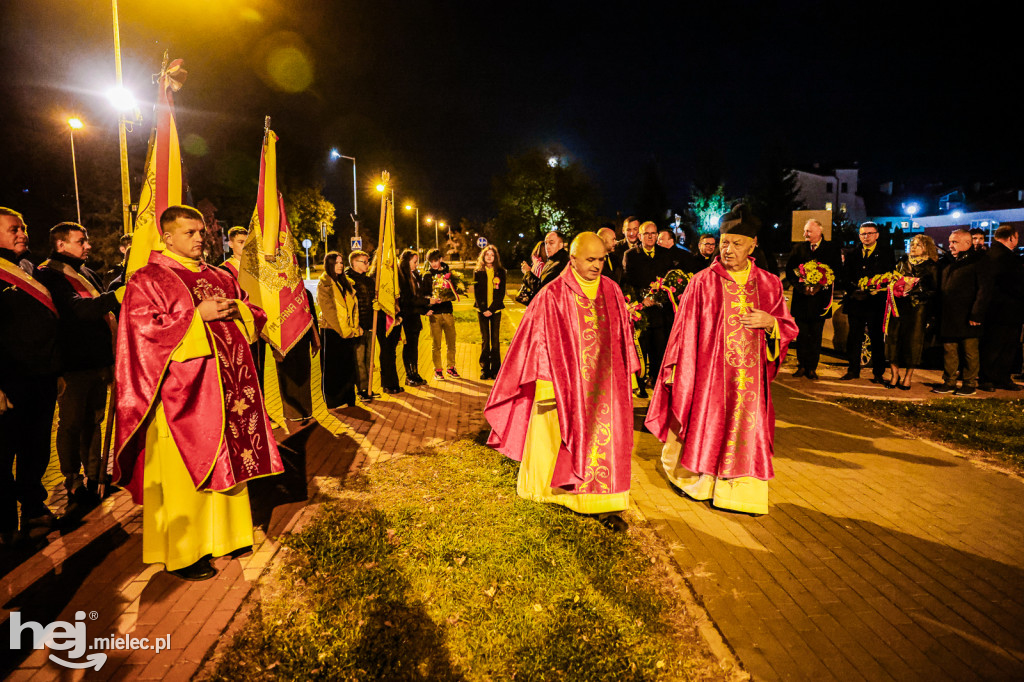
[800, 372]
[850, 376]
[640, 392]
[813, 376]
[987, 387]
[613, 522]
[393, 391]
[200, 570]
[903, 387]
[877, 379]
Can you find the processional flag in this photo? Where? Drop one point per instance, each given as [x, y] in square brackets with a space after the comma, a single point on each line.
[387, 270]
[269, 271]
[163, 184]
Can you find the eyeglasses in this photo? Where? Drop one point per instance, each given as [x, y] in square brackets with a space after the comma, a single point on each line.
[871, 232]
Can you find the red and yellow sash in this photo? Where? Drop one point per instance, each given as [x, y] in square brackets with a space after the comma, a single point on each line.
[82, 286]
[17, 277]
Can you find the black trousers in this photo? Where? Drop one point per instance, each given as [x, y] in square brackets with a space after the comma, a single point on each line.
[998, 348]
[411, 349]
[808, 344]
[338, 368]
[388, 344]
[25, 448]
[867, 315]
[490, 352]
[653, 342]
[294, 376]
[80, 427]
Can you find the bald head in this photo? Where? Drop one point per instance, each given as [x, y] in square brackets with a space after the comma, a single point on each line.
[607, 236]
[586, 255]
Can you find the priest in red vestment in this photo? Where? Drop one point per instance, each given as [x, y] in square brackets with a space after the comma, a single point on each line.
[562, 401]
[712, 405]
[191, 423]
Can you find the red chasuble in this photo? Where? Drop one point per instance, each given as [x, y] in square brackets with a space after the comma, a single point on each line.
[585, 349]
[213, 404]
[720, 400]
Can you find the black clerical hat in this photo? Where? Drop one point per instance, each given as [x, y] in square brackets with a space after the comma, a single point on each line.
[740, 221]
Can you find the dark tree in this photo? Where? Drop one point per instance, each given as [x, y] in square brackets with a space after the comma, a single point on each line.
[773, 198]
[652, 199]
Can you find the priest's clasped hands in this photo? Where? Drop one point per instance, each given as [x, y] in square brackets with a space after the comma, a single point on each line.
[757, 319]
[218, 308]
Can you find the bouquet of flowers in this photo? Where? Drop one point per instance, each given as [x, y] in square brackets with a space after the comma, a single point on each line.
[668, 289]
[902, 284]
[448, 286]
[816, 276]
[878, 282]
[636, 314]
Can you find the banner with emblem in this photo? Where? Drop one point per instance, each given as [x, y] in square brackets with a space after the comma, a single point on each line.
[163, 185]
[269, 270]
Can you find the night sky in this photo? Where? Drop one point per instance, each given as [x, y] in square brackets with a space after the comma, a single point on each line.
[441, 93]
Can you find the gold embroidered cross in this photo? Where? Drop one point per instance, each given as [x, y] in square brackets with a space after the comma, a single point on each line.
[742, 379]
[741, 304]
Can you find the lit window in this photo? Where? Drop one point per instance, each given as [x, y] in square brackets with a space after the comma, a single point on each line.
[828, 205]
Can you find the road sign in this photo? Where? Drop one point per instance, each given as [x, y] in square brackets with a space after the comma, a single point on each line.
[306, 243]
[357, 243]
[482, 242]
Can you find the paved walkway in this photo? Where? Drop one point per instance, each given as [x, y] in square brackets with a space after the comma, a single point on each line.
[883, 557]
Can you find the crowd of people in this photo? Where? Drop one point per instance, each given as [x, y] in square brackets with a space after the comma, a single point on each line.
[713, 331]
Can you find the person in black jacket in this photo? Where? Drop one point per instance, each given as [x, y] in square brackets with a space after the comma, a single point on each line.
[630, 238]
[441, 317]
[414, 303]
[864, 308]
[29, 366]
[358, 264]
[810, 305]
[642, 265]
[557, 259]
[489, 294]
[86, 340]
[707, 247]
[1000, 337]
[904, 339]
[964, 300]
[612, 265]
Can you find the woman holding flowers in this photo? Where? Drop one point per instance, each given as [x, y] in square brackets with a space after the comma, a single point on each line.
[489, 292]
[912, 293]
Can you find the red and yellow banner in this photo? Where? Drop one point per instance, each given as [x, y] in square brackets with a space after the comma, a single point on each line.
[269, 270]
[386, 266]
[163, 184]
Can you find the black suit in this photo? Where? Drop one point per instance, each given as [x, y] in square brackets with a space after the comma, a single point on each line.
[1000, 337]
[811, 310]
[553, 267]
[29, 365]
[613, 267]
[639, 271]
[864, 309]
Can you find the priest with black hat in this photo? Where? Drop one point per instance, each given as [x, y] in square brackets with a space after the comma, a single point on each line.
[712, 403]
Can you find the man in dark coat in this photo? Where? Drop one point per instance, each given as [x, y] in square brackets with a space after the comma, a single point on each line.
[558, 258]
[642, 265]
[29, 366]
[612, 266]
[359, 263]
[810, 308]
[964, 299]
[630, 238]
[863, 308]
[1000, 337]
[706, 249]
[86, 340]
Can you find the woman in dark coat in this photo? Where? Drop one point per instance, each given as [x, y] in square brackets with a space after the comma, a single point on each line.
[340, 331]
[413, 302]
[904, 342]
[489, 292]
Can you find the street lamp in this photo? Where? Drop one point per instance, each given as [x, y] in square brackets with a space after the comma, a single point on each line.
[73, 125]
[335, 155]
[409, 207]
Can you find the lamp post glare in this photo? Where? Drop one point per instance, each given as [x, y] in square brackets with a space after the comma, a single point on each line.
[73, 125]
[335, 155]
[381, 187]
[410, 207]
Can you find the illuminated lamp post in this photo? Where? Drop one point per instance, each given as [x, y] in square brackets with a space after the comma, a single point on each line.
[73, 125]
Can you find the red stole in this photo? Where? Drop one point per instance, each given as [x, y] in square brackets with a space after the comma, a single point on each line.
[213, 404]
[15, 276]
[82, 286]
[585, 349]
[720, 400]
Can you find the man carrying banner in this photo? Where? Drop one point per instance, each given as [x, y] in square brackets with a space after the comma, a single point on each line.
[86, 340]
[191, 423]
[561, 403]
[29, 364]
[712, 403]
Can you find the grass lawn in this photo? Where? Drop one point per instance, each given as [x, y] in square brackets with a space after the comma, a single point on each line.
[993, 427]
[430, 567]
